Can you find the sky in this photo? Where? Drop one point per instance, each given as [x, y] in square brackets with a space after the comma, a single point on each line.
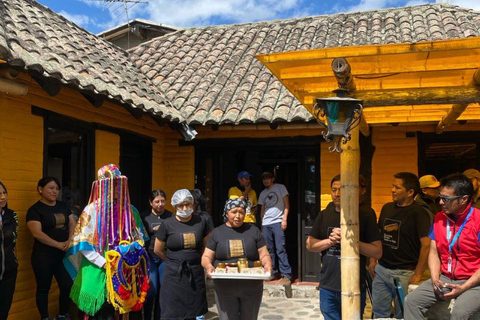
[97, 16]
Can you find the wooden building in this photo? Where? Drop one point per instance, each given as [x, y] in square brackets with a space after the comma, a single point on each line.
[409, 64]
[71, 102]
[135, 32]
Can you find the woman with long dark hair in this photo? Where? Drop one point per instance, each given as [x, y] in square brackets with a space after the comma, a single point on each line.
[8, 259]
[152, 222]
[52, 224]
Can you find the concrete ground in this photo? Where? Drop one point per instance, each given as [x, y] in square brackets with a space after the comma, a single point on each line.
[275, 306]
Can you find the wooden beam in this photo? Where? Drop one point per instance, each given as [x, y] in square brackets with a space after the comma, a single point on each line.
[451, 116]
[476, 77]
[392, 97]
[343, 72]
[452, 45]
[349, 225]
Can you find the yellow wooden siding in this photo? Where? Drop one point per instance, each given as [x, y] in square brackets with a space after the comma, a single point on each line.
[107, 148]
[173, 166]
[21, 164]
[393, 153]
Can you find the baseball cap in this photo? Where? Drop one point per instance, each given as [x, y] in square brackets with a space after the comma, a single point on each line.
[472, 173]
[267, 174]
[428, 181]
[244, 174]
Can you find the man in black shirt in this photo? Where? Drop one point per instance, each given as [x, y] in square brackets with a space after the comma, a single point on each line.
[325, 238]
[404, 227]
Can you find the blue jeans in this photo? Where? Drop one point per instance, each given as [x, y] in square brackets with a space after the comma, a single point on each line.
[275, 238]
[152, 302]
[331, 303]
[384, 291]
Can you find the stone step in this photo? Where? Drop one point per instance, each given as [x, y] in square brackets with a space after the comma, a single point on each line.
[299, 290]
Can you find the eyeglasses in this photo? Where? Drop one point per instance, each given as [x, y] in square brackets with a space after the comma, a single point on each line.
[448, 199]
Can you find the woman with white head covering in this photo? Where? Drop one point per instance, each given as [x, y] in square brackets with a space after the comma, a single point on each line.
[179, 242]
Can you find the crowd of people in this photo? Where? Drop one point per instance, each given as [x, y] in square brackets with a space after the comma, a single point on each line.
[116, 263]
[429, 235]
[113, 261]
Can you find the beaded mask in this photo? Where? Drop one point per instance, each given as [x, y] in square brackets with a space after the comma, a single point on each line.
[127, 276]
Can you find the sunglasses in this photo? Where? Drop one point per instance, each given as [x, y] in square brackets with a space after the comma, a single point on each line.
[448, 199]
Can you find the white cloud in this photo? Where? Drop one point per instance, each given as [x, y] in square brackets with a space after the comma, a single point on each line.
[365, 5]
[79, 19]
[416, 2]
[204, 12]
[471, 4]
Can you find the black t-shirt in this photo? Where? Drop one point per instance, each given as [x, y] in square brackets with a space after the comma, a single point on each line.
[401, 229]
[54, 221]
[183, 240]
[230, 244]
[152, 223]
[322, 227]
[205, 215]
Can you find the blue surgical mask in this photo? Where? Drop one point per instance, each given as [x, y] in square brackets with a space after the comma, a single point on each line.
[185, 213]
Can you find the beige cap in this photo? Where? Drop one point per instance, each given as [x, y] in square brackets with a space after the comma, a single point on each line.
[472, 173]
[428, 181]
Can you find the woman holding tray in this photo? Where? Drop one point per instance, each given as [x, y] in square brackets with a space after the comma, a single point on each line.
[180, 242]
[236, 299]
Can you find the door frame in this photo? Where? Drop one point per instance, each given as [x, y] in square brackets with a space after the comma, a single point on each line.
[213, 149]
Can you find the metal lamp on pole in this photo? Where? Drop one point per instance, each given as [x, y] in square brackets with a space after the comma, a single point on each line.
[340, 116]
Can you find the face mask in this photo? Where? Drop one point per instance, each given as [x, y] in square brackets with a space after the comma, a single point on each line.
[184, 213]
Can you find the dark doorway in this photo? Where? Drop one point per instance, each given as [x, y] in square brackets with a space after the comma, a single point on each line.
[448, 153]
[296, 160]
[69, 156]
[136, 164]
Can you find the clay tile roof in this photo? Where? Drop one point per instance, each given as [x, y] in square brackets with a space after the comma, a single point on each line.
[34, 38]
[212, 76]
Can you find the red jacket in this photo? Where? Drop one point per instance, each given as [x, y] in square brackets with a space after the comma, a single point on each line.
[466, 250]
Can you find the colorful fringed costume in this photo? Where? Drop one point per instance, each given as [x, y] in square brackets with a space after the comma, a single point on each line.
[106, 257]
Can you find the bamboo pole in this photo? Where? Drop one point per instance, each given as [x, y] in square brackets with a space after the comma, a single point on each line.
[343, 72]
[350, 255]
[451, 116]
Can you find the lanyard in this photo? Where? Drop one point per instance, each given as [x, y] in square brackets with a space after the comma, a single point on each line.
[449, 234]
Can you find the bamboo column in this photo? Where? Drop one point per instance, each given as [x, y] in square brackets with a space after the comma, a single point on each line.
[350, 255]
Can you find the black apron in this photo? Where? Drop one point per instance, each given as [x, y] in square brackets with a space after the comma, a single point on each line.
[182, 294]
